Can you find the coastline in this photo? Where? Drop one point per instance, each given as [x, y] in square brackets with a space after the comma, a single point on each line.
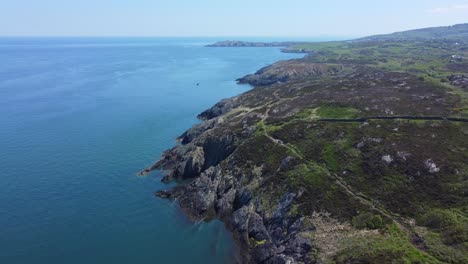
[240, 251]
[301, 157]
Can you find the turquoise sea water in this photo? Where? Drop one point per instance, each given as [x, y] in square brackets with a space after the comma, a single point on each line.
[79, 117]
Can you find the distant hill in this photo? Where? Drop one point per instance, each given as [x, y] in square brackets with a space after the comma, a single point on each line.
[456, 32]
[235, 43]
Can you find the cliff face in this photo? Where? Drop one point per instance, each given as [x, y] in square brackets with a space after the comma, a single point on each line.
[288, 70]
[300, 177]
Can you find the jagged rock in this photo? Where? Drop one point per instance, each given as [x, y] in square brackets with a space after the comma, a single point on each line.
[243, 197]
[191, 159]
[281, 259]
[197, 130]
[285, 163]
[164, 194]
[224, 205]
[199, 196]
[239, 219]
[257, 229]
[219, 109]
[431, 166]
[278, 237]
[298, 247]
[195, 163]
[283, 206]
[216, 149]
[263, 252]
[387, 159]
[287, 70]
[296, 226]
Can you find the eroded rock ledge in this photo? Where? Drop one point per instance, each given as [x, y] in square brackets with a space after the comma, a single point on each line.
[223, 188]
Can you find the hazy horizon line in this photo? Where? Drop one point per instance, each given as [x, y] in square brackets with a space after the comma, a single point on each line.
[337, 36]
[185, 36]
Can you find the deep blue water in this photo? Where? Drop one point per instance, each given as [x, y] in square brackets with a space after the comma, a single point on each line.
[79, 117]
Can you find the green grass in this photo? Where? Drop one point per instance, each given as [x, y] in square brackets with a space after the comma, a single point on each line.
[451, 223]
[320, 46]
[424, 58]
[261, 128]
[307, 113]
[443, 218]
[329, 156]
[390, 246]
[441, 251]
[311, 175]
[337, 112]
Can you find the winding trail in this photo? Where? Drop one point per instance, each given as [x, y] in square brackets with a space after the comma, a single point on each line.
[374, 205]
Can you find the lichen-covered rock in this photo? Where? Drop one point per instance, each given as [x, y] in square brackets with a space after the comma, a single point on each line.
[459, 80]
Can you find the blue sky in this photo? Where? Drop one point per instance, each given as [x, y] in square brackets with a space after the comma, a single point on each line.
[287, 18]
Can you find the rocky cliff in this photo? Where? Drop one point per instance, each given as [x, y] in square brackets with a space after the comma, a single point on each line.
[300, 175]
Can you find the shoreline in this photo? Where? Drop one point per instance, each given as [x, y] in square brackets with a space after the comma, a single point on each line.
[307, 146]
[240, 250]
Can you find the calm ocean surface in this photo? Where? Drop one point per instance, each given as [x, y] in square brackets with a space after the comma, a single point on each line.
[79, 117]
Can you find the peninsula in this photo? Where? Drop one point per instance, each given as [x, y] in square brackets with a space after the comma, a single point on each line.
[356, 153]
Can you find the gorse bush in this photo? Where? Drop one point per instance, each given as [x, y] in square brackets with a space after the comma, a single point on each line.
[368, 220]
[439, 218]
[452, 224]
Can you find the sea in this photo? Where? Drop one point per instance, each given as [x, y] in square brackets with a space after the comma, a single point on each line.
[79, 117]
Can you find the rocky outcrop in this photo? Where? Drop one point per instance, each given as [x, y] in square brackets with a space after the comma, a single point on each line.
[264, 238]
[459, 80]
[189, 160]
[222, 188]
[219, 109]
[195, 153]
[284, 71]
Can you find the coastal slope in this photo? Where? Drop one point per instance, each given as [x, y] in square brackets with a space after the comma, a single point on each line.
[356, 153]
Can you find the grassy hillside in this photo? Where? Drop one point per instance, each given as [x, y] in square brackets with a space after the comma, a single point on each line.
[456, 32]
